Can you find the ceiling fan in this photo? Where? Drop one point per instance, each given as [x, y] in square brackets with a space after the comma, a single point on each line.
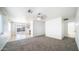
[30, 11]
[39, 16]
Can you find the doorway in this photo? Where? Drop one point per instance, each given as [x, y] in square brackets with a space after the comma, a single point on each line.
[69, 29]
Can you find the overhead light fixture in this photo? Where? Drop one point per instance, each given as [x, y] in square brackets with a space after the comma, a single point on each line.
[41, 16]
[30, 11]
[38, 18]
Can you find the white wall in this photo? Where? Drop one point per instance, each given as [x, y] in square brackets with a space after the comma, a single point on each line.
[77, 28]
[19, 19]
[38, 28]
[66, 28]
[31, 28]
[54, 28]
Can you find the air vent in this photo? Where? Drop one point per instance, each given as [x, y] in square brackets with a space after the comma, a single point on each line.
[66, 19]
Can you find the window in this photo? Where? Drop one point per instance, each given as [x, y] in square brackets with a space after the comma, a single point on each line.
[1, 24]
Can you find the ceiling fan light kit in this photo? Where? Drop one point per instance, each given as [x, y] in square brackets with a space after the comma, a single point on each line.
[39, 16]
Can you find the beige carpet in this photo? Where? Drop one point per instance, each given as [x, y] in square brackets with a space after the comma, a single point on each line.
[41, 43]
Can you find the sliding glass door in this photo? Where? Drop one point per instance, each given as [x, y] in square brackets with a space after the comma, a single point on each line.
[1, 25]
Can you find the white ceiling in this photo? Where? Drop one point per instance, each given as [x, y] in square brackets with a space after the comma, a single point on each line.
[50, 12]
